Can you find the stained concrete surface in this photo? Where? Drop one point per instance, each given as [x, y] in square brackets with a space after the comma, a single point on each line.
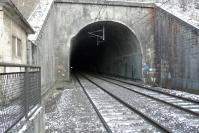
[68, 111]
[177, 52]
[74, 17]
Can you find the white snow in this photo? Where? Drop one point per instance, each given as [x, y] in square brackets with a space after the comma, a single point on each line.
[70, 111]
[38, 17]
[190, 15]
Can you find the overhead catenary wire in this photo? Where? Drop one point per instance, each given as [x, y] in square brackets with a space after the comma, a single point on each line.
[99, 38]
[104, 4]
[100, 13]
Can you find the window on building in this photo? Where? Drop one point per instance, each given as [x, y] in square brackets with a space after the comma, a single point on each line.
[34, 48]
[19, 47]
[16, 47]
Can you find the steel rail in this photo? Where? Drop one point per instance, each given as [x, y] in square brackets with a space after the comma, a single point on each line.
[156, 124]
[151, 97]
[151, 89]
[95, 108]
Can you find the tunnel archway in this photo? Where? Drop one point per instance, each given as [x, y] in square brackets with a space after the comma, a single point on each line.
[119, 54]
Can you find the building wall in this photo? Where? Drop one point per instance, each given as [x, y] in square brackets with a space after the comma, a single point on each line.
[1, 35]
[177, 52]
[8, 28]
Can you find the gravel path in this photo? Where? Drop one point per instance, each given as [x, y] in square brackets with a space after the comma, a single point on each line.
[69, 111]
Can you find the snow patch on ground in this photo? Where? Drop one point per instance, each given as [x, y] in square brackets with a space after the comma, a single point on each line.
[70, 111]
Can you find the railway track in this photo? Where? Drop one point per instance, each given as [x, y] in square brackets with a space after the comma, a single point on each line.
[115, 114]
[191, 99]
[185, 104]
[174, 114]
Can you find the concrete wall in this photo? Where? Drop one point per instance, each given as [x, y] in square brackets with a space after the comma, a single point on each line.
[46, 51]
[122, 54]
[177, 52]
[71, 17]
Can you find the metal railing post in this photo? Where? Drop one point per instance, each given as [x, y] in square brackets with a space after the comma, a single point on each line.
[26, 87]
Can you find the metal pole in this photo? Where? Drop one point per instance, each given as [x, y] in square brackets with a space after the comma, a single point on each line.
[103, 33]
[26, 90]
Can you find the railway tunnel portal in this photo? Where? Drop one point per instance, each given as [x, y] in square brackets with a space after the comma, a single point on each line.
[107, 47]
[128, 44]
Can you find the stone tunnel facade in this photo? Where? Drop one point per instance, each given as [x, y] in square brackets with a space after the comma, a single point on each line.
[156, 33]
[72, 17]
[119, 54]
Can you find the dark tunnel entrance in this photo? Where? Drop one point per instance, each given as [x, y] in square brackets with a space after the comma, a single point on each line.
[119, 54]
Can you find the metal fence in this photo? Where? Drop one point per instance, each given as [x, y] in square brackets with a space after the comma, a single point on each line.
[20, 92]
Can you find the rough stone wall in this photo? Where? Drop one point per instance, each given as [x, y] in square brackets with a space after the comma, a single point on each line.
[46, 52]
[70, 18]
[26, 7]
[177, 45]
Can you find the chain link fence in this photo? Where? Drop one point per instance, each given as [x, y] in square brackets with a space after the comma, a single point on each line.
[20, 92]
